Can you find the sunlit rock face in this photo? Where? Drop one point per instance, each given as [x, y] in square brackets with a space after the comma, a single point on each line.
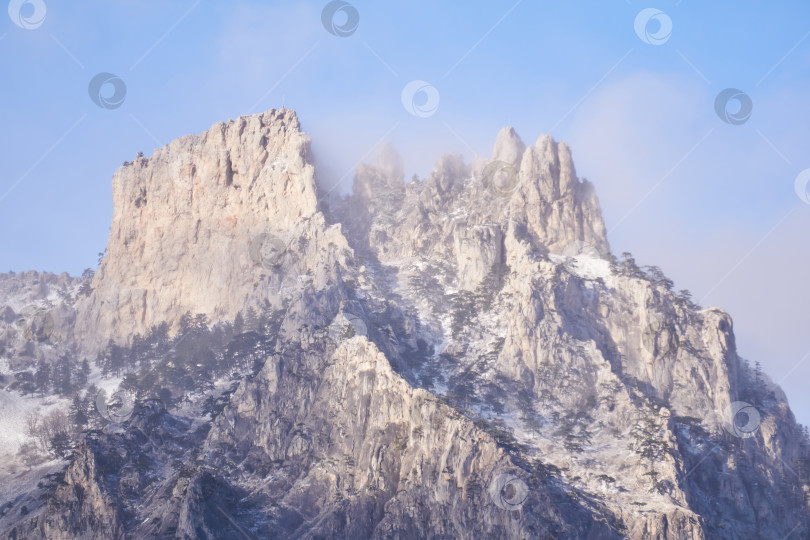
[209, 224]
[458, 356]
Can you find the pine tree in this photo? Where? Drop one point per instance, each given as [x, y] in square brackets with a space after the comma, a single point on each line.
[78, 413]
[251, 320]
[85, 288]
[89, 402]
[83, 374]
[267, 319]
[130, 381]
[657, 276]
[489, 287]
[200, 322]
[628, 267]
[136, 352]
[238, 324]
[147, 377]
[63, 375]
[117, 360]
[42, 377]
[758, 380]
[60, 444]
[103, 359]
[262, 323]
[186, 322]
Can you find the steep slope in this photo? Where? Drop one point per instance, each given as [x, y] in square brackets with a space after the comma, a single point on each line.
[459, 356]
[592, 363]
[305, 451]
[206, 225]
[37, 314]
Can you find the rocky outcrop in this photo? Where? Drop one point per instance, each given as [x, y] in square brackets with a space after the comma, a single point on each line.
[478, 250]
[594, 365]
[209, 224]
[303, 451]
[462, 212]
[80, 507]
[351, 450]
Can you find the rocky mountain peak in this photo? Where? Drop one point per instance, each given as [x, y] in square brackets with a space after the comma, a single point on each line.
[201, 223]
[554, 203]
[250, 162]
[466, 212]
[458, 356]
[509, 147]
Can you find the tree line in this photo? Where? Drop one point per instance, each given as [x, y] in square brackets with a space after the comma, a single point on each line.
[154, 365]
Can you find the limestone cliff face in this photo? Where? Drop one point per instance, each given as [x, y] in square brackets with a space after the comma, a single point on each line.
[208, 224]
[459, 356]
[368, 445]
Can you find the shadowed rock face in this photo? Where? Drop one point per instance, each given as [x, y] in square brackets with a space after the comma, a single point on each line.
[458, 357]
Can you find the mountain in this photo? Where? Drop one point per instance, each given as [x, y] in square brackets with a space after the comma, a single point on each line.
[459, 356]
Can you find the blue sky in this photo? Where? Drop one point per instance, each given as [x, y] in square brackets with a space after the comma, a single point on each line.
[711, 203]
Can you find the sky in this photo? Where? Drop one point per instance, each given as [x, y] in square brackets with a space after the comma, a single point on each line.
[700, 184]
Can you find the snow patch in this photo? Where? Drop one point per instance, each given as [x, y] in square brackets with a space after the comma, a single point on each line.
[13, 410]
[584, 265]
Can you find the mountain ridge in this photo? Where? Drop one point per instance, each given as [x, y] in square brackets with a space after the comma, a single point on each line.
[459, 355]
